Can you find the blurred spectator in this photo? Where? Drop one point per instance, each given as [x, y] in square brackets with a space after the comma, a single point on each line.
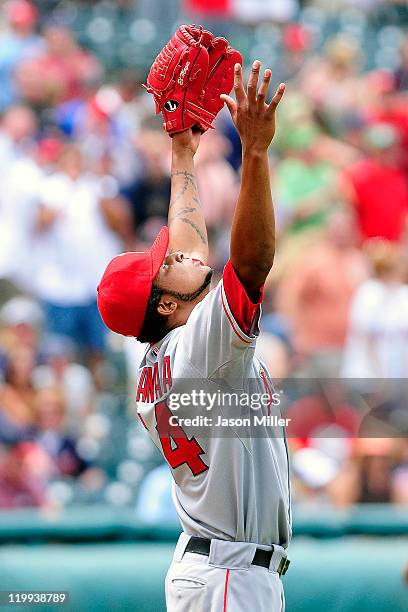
[376, 345]
[149, 194]
[128, 106]
[368, 477]
[332, 82]
[17, 394]
[78, 211]
[49, 410]
[22, 177]
[60, 368]
[216, 180]
[17, 44]
[105, 121]
[60, 72]
[296, 40]
[313, 472]
[390, 107]
[321, 409]
[305, 185]
[378, 186]
[401, 74]
[22, 470]
[316, 300]
[21, 321]
[17, 129]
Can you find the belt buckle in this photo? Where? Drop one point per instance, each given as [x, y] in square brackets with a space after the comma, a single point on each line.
[283, 566]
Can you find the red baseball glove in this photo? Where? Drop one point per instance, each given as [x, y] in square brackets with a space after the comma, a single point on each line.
[188, 77]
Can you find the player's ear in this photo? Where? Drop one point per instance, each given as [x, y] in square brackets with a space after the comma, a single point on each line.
[167, 305]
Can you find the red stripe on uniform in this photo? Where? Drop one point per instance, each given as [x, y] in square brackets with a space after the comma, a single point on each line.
[268, 391]
[226, 591]
[142, 421]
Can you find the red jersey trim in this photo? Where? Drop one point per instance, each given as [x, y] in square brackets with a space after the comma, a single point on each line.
[240, 311]
[236, 329]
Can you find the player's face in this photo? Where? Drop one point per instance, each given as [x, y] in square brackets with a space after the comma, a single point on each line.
[184, 275]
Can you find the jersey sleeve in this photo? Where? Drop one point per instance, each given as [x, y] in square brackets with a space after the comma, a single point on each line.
[221, 332]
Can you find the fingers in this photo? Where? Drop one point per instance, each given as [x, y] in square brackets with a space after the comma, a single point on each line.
[255, 99]
[276, 98]
[263, 90]
[231, 104]
[238, 84]
[253, 82]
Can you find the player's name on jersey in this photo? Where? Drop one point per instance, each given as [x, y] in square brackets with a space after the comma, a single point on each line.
[154, 382]
[220, 421]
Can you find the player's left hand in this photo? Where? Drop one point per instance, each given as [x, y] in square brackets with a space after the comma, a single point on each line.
[252, 116]
[187, 140]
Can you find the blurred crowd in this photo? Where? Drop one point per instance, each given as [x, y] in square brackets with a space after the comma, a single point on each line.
[85, 175]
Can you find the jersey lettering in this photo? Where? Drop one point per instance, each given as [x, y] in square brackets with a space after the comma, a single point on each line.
[183, 450]
[151, 387]
[166, 378]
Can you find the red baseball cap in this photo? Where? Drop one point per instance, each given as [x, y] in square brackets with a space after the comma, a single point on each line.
[126, 284]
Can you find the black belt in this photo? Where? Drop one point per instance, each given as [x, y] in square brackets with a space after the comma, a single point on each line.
[262, 557]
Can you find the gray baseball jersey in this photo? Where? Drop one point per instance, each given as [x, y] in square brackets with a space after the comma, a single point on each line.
[228, 483]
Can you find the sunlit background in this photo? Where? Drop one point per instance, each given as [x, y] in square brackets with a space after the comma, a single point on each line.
[84, 175]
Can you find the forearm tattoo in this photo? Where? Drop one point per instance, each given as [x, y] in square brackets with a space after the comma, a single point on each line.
[188, 181]
[196, 228]
[182, 211]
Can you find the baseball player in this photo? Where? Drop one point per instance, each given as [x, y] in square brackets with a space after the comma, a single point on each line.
[231, 492]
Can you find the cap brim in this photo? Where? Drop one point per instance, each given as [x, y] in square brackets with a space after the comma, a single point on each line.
[158, 250]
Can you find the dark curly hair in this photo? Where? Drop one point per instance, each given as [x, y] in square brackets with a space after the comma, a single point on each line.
[154, 325]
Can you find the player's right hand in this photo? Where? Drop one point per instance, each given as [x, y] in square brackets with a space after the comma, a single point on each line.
[252, 116]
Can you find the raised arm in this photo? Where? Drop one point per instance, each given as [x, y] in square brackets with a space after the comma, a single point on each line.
[253, 229]
[188, 232]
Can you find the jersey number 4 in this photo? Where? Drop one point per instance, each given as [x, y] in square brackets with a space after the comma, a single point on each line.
[177, 447]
